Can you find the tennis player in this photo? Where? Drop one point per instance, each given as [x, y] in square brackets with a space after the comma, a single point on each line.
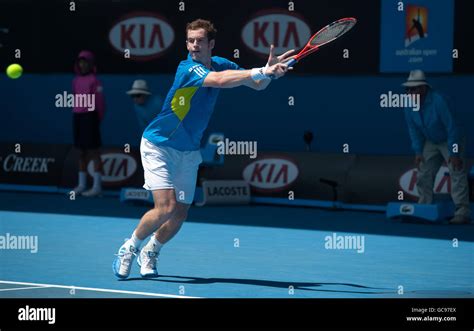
[170, 144]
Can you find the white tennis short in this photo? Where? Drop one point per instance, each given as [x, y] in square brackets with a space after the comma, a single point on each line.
[168, 168]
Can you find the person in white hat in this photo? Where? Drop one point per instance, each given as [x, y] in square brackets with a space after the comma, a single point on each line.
[145, 105]
[435, 138]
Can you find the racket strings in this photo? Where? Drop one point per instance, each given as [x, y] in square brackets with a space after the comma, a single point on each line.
[332, 32]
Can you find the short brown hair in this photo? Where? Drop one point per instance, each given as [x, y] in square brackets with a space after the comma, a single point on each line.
[203, 24]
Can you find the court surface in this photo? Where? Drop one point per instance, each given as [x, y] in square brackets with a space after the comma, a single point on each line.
[230, 252]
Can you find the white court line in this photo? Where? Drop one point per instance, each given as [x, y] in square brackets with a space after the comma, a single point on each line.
[100, 290]
[22, 288]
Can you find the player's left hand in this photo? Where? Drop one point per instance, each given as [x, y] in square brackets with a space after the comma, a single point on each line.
[285, 57]
[456, 162]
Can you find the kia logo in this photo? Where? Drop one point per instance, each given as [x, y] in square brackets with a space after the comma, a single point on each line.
[117, 167]
[270, 174]
[285, 31]
[146, 35]
[442, 183]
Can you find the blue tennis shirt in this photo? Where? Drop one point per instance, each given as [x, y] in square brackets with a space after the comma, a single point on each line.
[187, 107]
[434, 122]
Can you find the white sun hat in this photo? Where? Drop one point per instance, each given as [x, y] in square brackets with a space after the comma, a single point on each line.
[416, 78]
[139, 87]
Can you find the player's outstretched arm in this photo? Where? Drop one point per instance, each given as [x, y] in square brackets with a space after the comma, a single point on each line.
[257, 78]
[251, 78]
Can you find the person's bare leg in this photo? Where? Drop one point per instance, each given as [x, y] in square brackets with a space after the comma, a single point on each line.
[167, 230]
[171, 227]
[165, 204]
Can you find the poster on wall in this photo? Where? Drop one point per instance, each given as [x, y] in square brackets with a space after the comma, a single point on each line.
[417, 34]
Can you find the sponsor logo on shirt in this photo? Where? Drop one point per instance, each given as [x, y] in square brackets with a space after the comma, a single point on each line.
[198, 69]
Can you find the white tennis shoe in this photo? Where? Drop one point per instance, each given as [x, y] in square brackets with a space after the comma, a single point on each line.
[93, 192]
[147, 260]
[79, 189]
[123, 262]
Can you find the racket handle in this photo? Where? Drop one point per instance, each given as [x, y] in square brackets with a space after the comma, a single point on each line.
[291, 62]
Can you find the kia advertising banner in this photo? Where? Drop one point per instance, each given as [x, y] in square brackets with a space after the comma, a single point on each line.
[149, 37]
[119, 168]
[285, 175]
[417, 35]
[360, 179]
[141, 36]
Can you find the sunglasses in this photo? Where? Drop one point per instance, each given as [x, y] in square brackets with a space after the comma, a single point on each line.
[136, 96]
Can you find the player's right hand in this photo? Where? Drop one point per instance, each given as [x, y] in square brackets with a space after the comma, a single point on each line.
[277, 70]
[273, 59]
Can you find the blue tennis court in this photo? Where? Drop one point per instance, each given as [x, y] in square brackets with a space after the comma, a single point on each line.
[231, 252]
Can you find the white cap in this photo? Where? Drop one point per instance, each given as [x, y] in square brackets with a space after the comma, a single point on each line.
[416, 78]
[139, 87]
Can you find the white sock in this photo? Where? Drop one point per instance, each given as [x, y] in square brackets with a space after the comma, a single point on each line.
[97, 180]
[135, 241]
[82, 179]
[154, 244]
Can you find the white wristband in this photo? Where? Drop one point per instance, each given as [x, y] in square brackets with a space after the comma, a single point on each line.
[258, 73]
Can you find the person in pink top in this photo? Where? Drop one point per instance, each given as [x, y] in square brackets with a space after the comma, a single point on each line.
[88, 113]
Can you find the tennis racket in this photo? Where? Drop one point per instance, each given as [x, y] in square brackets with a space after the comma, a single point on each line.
[324, 36]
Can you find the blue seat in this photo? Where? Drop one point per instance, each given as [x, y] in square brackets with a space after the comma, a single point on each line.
[436, 212]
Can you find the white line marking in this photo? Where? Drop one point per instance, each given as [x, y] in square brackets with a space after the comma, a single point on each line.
[101, 290]
[23, 288]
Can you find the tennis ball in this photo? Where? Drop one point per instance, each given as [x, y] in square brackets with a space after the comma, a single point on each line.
[14, 71]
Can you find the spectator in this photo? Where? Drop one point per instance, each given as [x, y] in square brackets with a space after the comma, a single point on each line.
[86, 122]
[145, 105]
[436, 138]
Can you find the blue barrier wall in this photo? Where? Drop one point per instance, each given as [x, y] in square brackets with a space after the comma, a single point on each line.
[338, 109]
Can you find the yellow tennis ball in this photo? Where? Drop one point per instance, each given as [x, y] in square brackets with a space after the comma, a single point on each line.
[14, 71]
